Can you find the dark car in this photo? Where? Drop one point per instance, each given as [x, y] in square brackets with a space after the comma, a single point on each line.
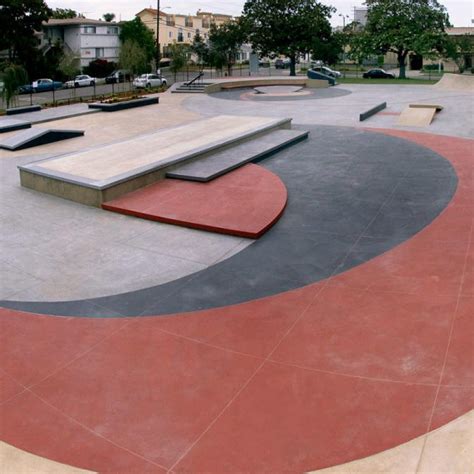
[282, 63]
[378, 74]
[118, 76]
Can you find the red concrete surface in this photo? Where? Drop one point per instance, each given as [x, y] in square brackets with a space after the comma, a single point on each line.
[245, 202]
[313, 377]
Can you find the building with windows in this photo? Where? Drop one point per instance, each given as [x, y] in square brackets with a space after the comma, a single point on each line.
[89, 39]
[181, 29]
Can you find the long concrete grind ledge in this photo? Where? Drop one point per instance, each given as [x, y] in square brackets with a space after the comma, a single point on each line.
[104, 173]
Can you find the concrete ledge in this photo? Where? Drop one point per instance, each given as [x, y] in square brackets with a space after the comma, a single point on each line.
[266, 81]
[23, 110]
[12, 125]
[104, 173]
[372, 111]
[129, 104]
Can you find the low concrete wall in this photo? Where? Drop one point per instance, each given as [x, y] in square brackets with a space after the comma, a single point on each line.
[265, 81]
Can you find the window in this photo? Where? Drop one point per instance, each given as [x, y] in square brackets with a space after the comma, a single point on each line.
[180, 35]
[189, 35]
[188, 22]
[112, 30]
[170, 34]
[99, 52]
[89, 30]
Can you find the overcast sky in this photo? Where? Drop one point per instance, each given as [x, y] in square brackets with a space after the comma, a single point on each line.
[460, 11]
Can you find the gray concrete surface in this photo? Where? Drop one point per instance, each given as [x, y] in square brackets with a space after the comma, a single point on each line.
[54, 113]
[52, 249]
[455, 119]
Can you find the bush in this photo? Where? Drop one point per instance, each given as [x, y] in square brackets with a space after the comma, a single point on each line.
[100, 68]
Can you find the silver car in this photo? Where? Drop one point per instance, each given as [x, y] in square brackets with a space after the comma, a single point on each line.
[149, 80]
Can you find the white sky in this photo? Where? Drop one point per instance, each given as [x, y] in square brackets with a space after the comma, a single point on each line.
[460, 11]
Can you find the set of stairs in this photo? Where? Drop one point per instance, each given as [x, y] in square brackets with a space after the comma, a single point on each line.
[196, 88]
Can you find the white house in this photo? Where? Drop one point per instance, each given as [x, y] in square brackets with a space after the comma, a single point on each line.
[89, 39]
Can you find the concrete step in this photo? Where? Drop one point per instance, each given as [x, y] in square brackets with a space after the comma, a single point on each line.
[222, 161]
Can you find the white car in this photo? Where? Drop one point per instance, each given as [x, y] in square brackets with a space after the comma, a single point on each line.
[81, 81]
[149, 80]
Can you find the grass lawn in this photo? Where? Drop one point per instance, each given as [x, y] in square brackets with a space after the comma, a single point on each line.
[360, 80]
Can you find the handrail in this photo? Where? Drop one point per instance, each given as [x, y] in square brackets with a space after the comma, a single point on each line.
[192, 81]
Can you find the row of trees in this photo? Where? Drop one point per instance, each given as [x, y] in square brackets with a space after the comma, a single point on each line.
[292, 28]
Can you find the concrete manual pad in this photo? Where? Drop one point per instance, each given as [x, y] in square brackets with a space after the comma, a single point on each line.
[416, 117]
[104, 166]
[37, 136]
[10, 125]
[278, 89]
[222, 162]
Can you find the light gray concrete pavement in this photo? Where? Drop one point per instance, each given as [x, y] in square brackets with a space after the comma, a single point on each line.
[455, 119]
[53, 249]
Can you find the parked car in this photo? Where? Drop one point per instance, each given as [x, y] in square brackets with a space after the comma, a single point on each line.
[118, 76]
[149, 80]
[282, 63]
[378, 74]
[41, 85]
[81, 81]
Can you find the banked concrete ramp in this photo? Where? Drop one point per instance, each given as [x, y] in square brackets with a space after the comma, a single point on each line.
[456, 82]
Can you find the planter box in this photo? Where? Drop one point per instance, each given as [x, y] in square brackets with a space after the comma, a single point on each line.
[128, 104]
[24, 110]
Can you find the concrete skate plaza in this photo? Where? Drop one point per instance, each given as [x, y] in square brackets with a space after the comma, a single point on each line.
[340, 338]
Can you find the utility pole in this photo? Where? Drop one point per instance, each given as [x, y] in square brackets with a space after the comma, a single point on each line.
[158, 52]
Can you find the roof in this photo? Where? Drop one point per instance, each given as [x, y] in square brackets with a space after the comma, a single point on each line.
[152, 11]
[76, 21]
[460, 30]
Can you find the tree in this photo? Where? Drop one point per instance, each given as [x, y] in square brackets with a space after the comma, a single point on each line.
[200, 49]
[14, 76]
[133, 57]
[65, 13]
[100, 68]
[19, 20]
[136, 31]
[225, 41]
[460, 49]
[403, 27]
[108, 17]
[69, 64]
[329, 49]
[287, 27]
[179, 57]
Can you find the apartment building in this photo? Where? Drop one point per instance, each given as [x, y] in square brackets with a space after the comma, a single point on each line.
[89, 39]
[181, 29]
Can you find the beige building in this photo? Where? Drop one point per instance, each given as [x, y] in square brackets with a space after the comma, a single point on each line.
[181, 29]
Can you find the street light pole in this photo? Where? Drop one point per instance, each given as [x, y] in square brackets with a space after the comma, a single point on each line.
[158, 52]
